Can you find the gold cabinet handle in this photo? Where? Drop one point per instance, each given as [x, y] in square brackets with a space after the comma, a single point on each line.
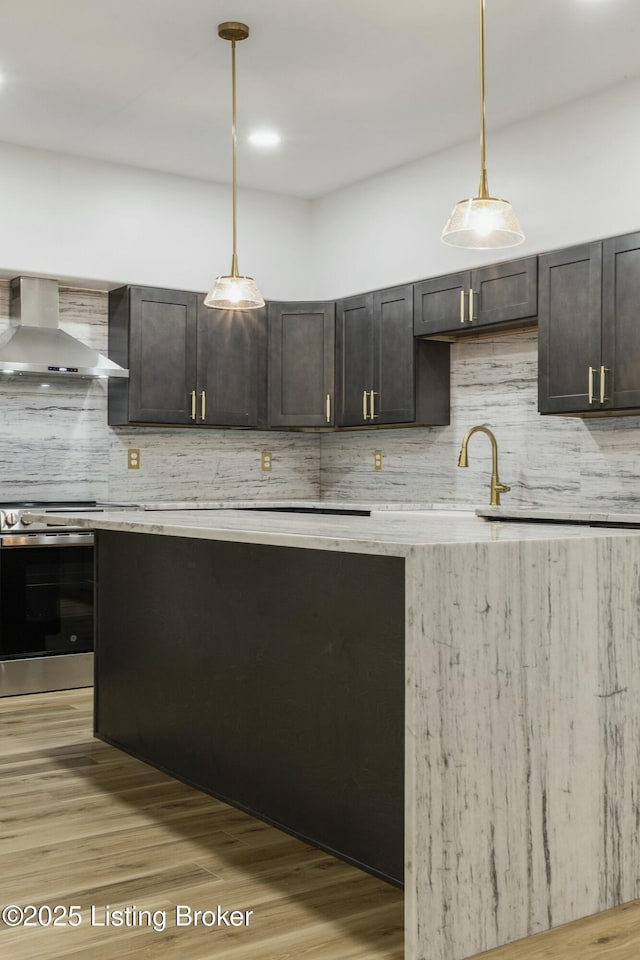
[373, 413]
[328, 408]
[193, 404]
[603, 373]
[462, 306]
[471, 316]
[365, 415]
[592, 370]
[203, 405]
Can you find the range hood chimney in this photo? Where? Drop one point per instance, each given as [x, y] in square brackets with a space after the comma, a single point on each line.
[35, 343]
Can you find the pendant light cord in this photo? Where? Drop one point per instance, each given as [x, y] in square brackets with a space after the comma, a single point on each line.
[483, 189]
[234, 141]
[233, 291]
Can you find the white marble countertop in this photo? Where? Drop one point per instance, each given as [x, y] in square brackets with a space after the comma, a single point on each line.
[345, 505]
[555, 514]
[391, 534]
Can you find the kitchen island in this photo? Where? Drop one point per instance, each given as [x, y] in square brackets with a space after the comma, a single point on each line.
[520, 683]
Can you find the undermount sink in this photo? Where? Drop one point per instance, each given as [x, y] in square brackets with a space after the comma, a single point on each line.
[426, 511]
[332, 511]
[557, 515]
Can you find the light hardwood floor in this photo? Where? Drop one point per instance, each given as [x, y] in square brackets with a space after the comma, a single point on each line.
[82, 823]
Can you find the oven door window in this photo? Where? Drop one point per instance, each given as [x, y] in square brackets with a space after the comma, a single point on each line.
[46, 601]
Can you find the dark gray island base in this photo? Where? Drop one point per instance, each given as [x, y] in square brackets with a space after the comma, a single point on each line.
[268, 676]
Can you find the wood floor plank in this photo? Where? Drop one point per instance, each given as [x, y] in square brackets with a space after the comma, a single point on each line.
[612, 935]
[83, 823]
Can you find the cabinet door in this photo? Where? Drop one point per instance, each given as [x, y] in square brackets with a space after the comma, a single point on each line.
[301, 364]
[394, 355]
[162, 355]
[569, 327]
[441, 304]
[230, 348]
[505, 292]
[355, 359]
[621, 322]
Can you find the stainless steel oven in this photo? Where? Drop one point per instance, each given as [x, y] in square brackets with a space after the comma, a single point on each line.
[46, 602]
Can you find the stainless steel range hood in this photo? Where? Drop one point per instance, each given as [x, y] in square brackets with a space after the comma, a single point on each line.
[36, 344]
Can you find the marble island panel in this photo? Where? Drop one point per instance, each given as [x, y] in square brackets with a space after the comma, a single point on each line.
[522, 730]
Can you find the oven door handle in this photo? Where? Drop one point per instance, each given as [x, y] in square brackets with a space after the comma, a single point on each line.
[47, 540]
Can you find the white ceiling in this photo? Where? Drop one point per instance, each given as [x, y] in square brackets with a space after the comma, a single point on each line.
[354, 86]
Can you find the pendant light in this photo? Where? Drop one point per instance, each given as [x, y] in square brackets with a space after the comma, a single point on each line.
[483, 222]
[234, 292]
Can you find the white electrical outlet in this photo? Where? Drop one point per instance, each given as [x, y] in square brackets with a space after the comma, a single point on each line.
[378, 459]
[266, 459]
[133, 459]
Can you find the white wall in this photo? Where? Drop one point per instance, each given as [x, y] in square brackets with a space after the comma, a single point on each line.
[106, 224]
[572, 174]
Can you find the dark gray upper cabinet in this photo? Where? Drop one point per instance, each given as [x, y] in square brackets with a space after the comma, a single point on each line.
[495, 296]
[589, 335]
[620, 361]
[187, 364]
[231, 367]
[394, 396]
[153, 333]
[301, 358]
[569, 329]
[355, 363]
[441, 304]
[384, 375]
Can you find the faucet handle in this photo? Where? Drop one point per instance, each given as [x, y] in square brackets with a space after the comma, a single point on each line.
[496, 489]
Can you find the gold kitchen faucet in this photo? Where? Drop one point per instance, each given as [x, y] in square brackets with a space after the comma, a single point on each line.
[496, 486]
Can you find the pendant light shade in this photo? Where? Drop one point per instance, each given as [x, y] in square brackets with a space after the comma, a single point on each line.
[483, 222]
[234, 291]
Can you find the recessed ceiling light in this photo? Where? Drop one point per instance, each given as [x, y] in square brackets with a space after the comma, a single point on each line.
[264, 138]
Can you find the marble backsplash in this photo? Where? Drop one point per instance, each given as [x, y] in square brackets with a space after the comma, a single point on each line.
[55, 443]
[212, 465]
[547, 461]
